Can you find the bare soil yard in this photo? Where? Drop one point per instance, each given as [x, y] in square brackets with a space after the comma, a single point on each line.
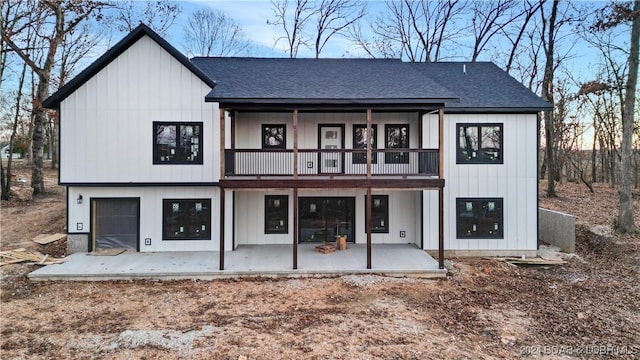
[587, 308]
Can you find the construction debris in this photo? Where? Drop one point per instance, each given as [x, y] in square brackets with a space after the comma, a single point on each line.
[44, 239]
[326, 248]
[529, 261]
[22, 255]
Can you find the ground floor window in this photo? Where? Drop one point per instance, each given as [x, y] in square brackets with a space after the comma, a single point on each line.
[276, 214]
[479, 218]
[186, 219]
[379, 213]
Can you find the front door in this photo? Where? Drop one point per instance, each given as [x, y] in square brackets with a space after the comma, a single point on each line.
[322, 218]
[331, 137]
[115, 223]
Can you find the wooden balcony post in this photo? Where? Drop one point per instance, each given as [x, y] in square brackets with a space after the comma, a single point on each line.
[295, 228]
[368, 141]
[222, 198]
[441, 189]
[441, 228]
[368, 225]
[222, 145]
[295, 144]
[440, 142]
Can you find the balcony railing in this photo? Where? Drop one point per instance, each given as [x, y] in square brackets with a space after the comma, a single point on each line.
[318, 162]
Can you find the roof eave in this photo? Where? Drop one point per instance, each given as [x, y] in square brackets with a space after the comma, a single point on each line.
[496, 110]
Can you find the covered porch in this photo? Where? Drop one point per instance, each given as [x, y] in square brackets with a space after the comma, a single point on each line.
[247, 260]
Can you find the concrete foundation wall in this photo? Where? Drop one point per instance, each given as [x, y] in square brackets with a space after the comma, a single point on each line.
[77, 243]
[557, 229]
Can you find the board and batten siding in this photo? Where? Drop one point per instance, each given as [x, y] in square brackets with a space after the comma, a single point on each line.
[515, 181]
[404, 215]
[151, 199]
[106, 133]
[249, 127]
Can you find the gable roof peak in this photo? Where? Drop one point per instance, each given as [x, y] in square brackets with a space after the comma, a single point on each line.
[116, 50]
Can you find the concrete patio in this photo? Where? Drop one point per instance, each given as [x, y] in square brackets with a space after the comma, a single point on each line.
[247, 260]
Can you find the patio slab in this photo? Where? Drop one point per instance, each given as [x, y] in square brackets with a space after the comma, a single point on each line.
[245, 261]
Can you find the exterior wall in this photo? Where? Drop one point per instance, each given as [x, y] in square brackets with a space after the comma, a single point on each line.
[404, 215]
[151, 214]
[515, 181]
[106, 124]
[248, 127]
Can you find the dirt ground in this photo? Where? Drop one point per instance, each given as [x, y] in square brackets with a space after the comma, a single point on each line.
[587, 308]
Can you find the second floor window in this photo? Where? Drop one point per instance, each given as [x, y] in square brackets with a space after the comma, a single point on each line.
[479, 144]
[177, 143]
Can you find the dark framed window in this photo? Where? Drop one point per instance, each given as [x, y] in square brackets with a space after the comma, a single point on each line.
[479, 144]
[360, 139]
[186, 219]
[276, 214]
[479, 218]
[274, 136]
[379, 213]
[396, 137]
[177, 143]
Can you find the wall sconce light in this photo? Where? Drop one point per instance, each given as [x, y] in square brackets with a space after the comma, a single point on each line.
[79, 199]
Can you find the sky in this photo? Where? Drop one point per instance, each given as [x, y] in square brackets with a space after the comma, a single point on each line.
[252, 16]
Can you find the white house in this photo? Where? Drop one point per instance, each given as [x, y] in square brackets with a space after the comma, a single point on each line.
[216, 153]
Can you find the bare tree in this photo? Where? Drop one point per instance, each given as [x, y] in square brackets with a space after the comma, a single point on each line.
[214, 33]
[293, 25]
[547, 94]
[489, 18]
[65, 16]
[158, 15]
[626, 223]
[528, 12]
[335, 17]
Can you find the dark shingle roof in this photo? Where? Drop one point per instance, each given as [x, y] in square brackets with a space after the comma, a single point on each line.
[482, 86]
[141, 30]
[373, 82]
[300, 81]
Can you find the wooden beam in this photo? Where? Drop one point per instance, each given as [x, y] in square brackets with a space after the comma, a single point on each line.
[441, 228]
[222, 139]
[295, 143]
[295, 228]
[222, 228]
[441, 143]
[368, 225]
[368, 142]
[404, 184]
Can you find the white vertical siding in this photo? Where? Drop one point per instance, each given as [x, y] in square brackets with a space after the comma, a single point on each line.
[515, 181]
[404, 212]
[151, 213]
[106, 124]
[249, 126]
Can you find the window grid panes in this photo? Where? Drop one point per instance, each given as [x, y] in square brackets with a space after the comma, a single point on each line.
[479, 218]
[379, 213]
[186, 219]
[177, 143]
[479, 144]
[276, 214]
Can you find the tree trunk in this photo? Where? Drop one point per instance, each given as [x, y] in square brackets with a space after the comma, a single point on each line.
[625, 214]
[547, 94]
[5, 177]
[593, 160]
[39, 123]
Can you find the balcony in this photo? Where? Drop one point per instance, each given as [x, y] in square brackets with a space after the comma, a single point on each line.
[331, 162]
